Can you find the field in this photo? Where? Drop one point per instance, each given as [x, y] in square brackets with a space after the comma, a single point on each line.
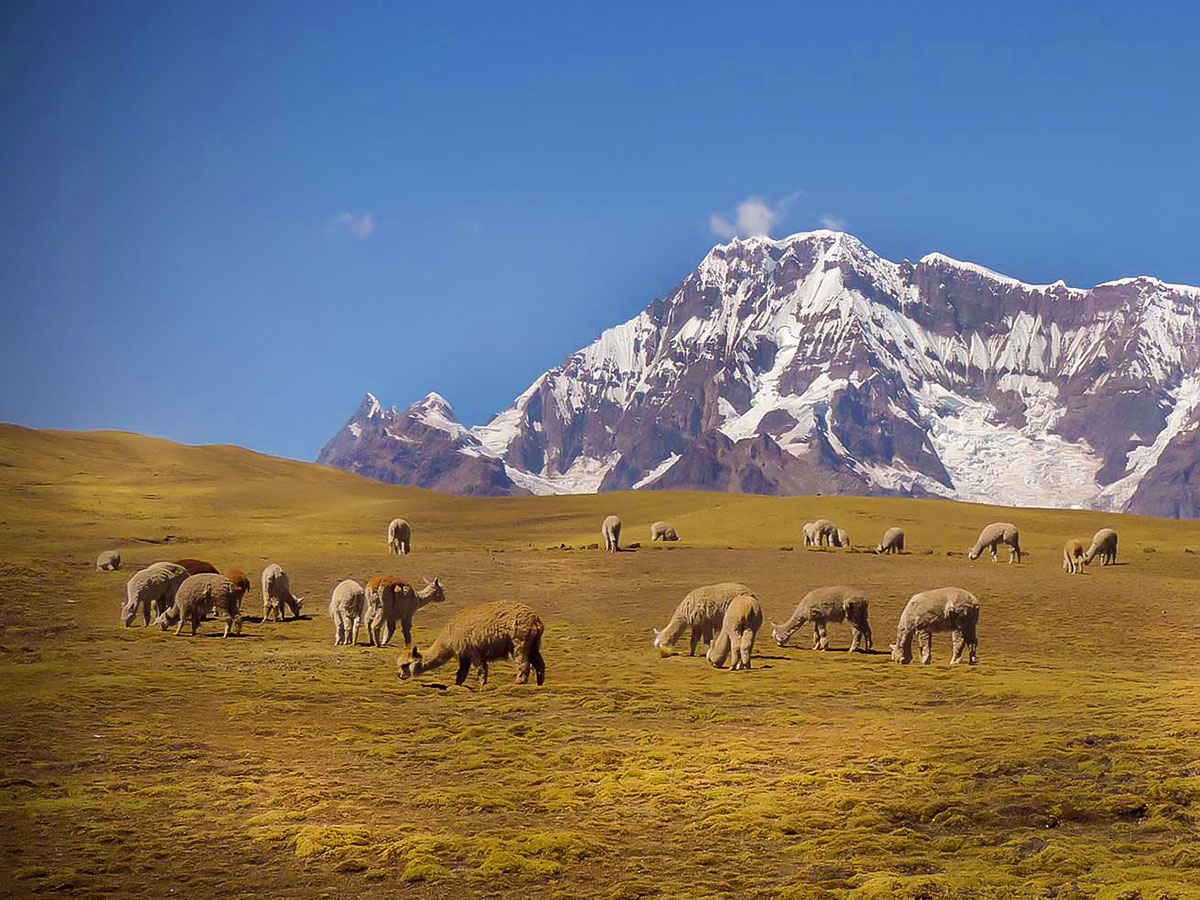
[1066, 764]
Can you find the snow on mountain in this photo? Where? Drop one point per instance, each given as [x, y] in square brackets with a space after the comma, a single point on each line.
[810, 363]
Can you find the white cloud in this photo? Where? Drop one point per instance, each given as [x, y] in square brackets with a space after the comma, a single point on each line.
[753, 216]
[359, 226]
[833, 224]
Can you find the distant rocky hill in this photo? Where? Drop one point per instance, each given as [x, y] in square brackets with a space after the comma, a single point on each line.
[811, 364]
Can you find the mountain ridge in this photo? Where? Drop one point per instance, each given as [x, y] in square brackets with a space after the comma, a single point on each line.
[811, 364]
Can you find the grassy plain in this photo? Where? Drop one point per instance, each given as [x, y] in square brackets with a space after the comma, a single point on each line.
[1067, 763]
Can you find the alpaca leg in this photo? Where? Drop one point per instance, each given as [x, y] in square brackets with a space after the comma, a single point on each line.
[695, 640]
[483, 670]
[926, 647]
[464, 669]
[956, 646]
[855, 638]
[521, 658]
[824, 636]
[539, 664]
[406, 627]
[747, 648]
[816, 636]
[865, 628]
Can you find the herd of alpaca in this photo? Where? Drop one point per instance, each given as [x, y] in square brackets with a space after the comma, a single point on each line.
[726, 617]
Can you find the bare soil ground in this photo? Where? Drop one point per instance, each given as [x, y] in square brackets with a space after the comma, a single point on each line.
[1067, 763]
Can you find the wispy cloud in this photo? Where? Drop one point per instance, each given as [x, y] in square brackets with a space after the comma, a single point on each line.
[359, 226]
[833, 223]
[753, 216]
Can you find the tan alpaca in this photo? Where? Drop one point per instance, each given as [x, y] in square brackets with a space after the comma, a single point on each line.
[842, 539]
[108, 561]
[348, 610]
[399, 537]
[482, 634]
[893, 541]
[824, 533]
[277, 594]
[201, 594]
[825, 605]
[742, 620]
[703, 611]
[1073, 556]
[1104, 545]
[944, 609]
[152, 587]
[612, 534]
[995, 534]
[662, 531]
[391, 600]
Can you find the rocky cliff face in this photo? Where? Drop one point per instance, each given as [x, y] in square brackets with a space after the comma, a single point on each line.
[811, 364]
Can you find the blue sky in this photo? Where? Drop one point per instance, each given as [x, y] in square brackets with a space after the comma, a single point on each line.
[225, 222]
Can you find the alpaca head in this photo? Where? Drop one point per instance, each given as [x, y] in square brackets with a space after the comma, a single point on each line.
[128, 611]
[781, 636]
[410, 663]
[659, 634]
[974, 552]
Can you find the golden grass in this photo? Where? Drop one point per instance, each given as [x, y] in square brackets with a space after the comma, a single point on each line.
[132, 762]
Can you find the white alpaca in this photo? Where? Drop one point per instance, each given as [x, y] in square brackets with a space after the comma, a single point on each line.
[944, 609]
[348, 610]
[742, 620]
[1073, 557]
[1104, 545]
[995, 534]
[824, 532]
[893, 541]
[612, 534]
[829, 604]
[662, 531]
[399, 537]
[703, 611]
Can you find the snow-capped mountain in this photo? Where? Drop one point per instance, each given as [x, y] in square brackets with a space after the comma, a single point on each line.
[811, 364]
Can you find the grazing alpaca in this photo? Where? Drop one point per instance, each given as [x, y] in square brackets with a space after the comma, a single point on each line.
[1104, 545]
[277, 594]
[742, 620]
[1073, 556]
[702, 610]
[399, 537]
[200, 595]
[612, 534]
[995, 534]
[842, 538]
[661, 531]
[154, 586]
[893, 541]
[391, 600]
[238, 577]
[479, 635]
[824, 533]
[348, 610]
[197, 566]
[829, 604]
[944, 609]
[810, 534]
[108, 561]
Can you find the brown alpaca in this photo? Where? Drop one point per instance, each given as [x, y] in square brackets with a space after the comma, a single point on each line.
[238, 577]
[197, 566]
[391, 600]
[482, 634]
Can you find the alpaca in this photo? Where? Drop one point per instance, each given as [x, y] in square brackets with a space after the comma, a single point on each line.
[154, 586]
[810, 534]
[277, 594]
[661, 531]
[399, 537]
[829, 604]
[238, 577]
[702, 610]
[108, 561]
[481, 634]
[612, 534]
[994, 535]
[201, 594]
[824, 532]
[347, 609]
[893, 541]
[197, 566]
[1072, 556]
[391, 600]
[1104, 545]
[742, 620]
[944, 609]
[842, 538]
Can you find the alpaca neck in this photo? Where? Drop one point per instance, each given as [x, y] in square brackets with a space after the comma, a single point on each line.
[670, 634]
[438, 655]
